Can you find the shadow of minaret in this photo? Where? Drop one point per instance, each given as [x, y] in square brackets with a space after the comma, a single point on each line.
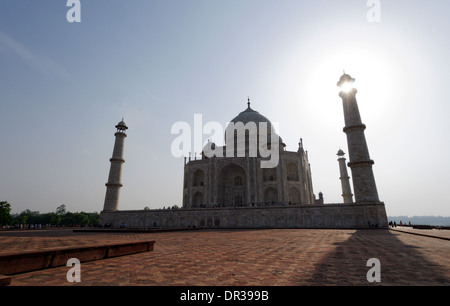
[401, 264]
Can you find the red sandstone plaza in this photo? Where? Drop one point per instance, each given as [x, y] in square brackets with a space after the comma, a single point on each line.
[267, 257]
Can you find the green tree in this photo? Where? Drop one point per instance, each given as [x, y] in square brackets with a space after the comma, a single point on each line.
[5, 213]
[19, 219]
[81, 218]
[55, 219]
[61, 217]
[93, 217]
[61, 210]
[67, 219]
[31, 217]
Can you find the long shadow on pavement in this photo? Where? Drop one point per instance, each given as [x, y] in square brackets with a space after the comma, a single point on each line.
[400, 263]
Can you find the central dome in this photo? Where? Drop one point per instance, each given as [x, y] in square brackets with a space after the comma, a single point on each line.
[250, 115]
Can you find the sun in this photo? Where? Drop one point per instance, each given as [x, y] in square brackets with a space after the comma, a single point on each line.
[347, 87]
[374, 73]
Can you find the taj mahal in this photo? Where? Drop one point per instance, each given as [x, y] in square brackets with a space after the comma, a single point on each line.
[238, 186]
[242, 181]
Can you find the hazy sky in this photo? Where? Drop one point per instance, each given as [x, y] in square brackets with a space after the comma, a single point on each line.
[64, 86]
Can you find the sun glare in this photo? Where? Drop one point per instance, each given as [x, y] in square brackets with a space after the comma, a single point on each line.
[374, 73]
[370, 68]
[347, 86]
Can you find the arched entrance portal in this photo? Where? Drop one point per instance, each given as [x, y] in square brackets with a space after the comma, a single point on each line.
[294, 196]
[232, 186]
[199, 178]
[197, 200]
[270, 196]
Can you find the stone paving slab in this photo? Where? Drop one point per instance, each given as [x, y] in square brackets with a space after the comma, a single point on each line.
[273, 257]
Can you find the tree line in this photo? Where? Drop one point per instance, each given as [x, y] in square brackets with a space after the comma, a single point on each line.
[61, 217]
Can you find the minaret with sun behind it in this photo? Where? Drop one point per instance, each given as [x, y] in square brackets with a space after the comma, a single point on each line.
[360, 163]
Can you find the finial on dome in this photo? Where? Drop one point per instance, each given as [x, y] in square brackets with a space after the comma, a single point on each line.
[248, 102]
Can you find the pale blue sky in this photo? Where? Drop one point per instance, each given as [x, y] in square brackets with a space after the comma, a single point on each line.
[64, 86]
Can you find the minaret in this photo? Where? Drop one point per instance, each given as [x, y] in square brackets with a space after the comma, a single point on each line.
[345, 179]
[115, 172]
[360, 163]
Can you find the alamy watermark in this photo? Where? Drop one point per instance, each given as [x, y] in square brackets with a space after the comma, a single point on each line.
[372, 276]
[256, 140]
[374, 273]
[74, 13]
[74, 273]
[374, 14]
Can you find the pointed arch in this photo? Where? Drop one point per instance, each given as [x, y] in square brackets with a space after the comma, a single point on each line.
[198, 178]
[292, 171]
[294, 196]
[232, 185]
[197, 200]
[270, 195]
[269, 174]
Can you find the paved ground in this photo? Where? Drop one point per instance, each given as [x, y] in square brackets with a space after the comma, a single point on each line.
[285, 257]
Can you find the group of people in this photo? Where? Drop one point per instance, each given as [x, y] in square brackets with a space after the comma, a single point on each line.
[262, 204]
[394, 224]
[30, 226]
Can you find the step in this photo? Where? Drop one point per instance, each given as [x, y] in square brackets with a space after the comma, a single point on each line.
[38, 260]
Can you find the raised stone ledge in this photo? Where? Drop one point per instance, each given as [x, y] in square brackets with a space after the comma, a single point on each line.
[354, 215]
[31, 261]
[134, 230]
[5, 280]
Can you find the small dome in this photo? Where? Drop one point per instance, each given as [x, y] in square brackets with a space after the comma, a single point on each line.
[121, 125]
[208, 149]
[209, 146]
[340, 153]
